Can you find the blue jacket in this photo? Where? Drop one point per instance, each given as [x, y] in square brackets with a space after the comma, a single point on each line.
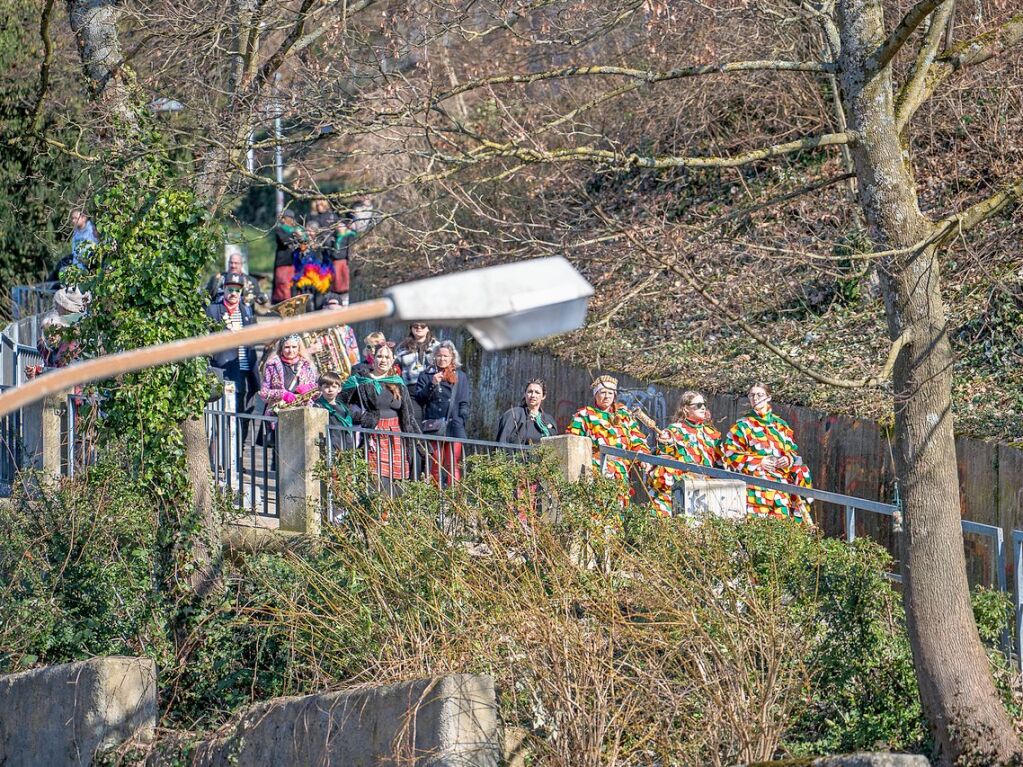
[216, 313]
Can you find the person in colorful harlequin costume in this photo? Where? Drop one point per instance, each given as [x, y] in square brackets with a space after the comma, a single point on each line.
[608, 423]
[690, 438]
[761, 444]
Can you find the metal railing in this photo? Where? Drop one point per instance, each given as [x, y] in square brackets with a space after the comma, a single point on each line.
[78, 435]
[12, 449]
[32, 299]
[394, 457]
[242, 457]
[852, 505]
[14, 359]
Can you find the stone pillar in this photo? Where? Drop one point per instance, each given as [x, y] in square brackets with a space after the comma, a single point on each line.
[42, 434]
[299, 432]
[575, 455]
[697, 496]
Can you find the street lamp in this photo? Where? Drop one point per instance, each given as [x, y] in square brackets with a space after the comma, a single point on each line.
[501, 306]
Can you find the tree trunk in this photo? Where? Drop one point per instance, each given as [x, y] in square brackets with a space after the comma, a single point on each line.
[966, 717]
[207, 547]
[94, 23]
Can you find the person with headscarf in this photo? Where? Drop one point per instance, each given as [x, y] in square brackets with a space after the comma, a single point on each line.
[762, 444]
[690, 438]
[384, 404]
[609, 423]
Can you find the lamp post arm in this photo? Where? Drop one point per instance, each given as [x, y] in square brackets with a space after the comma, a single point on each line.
[111, 365]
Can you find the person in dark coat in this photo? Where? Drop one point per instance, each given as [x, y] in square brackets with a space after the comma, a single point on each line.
[443, 391]
[238, 365]
[287, 234]
[377, 396]
[527, 423]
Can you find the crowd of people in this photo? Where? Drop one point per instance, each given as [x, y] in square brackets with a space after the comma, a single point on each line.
[417, 386]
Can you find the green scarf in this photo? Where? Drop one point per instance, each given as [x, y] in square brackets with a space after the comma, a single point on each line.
[538, 420]
[339, 411]
[357, 380]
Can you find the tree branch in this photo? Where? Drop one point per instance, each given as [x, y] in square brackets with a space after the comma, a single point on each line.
[914, 18]
[44, 68]
[979, 212]
[911, 91]
[585, 153]
[646, 75]
[970, 52]
[843, 383]
[274, 63]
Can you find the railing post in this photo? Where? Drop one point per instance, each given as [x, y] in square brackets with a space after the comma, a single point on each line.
[575, 456]
[42, 434]
[1017, 550]
[850, 524]
[299, 491]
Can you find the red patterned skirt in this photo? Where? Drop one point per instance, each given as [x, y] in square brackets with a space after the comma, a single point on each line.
[387, 454]
[445, 458]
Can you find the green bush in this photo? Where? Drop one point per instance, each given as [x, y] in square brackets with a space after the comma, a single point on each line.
[76, 561]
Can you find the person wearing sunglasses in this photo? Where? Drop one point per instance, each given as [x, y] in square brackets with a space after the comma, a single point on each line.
[762, 444]
[413, 355]
[239, 364]
[689, 438]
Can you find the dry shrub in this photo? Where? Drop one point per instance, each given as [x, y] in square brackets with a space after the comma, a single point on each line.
[613, 640]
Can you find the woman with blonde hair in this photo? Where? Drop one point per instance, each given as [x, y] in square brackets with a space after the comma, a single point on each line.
[689, 438]
[288, 374]
[443, 392]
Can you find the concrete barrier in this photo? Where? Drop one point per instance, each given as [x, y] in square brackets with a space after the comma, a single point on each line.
[61, 715]
[708, 497]
[445, 722]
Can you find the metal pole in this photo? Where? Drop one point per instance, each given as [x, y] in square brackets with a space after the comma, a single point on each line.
[278, 152]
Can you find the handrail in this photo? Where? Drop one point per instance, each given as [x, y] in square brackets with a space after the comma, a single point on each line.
[431, 437]
[820, 495]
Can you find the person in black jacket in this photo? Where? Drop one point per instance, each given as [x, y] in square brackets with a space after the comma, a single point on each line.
[379, 400]
[238, 365]
[527, 423]
[443, 391]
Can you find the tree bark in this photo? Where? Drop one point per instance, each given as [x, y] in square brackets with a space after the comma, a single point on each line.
[94, 23]
[207, 547]
[966, 716]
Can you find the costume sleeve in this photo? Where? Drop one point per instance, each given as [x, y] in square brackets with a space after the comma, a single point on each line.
[463, 401]
[351, 346]
[423, 388]
[577, 426]
[735, 450]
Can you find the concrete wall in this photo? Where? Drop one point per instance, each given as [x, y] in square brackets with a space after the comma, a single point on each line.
[61, 715]
[446, 722]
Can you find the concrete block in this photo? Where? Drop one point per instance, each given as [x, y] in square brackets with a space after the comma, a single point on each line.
[867, 759]
[445, 722]
[298, 451]
[575, 454]
[61, 715]
[697, 496]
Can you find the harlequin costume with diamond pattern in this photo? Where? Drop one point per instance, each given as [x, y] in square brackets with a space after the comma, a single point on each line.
[689, 442]
[613, 428]
[755, 437]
